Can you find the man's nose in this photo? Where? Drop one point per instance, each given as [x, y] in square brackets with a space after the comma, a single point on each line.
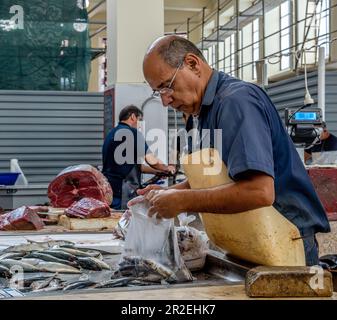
[167, 100]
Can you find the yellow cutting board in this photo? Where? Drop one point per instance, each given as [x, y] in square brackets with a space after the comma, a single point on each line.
[262, 236]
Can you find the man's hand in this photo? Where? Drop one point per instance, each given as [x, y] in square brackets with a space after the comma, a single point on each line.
[164, 203]
[147, 189]
[171, 169]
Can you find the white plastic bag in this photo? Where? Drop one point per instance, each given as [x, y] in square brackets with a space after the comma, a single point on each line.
[15, 167]
[119, 232]
[151, 244]
[193, 244]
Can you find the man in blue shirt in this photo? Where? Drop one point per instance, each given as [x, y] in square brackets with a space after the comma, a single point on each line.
[123, 152]
[328, 142]
[256, 149]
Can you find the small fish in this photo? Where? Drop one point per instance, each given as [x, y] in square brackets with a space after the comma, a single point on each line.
[36, 246]
[120, 282]
[33, 261]
[152, 278]
[28, 247]
[41, 284]
[53, 243]
[4, 272]
[28, 280]
[151, 265]
[80, 253]
[50, 258]
[133, 270]
[142, 282]
[80, 285]
[60, 254]
[54, 285]
[56, 267]
[331, 260]
[9, 263]
[92, 263]
[12, 255]
[165, 272]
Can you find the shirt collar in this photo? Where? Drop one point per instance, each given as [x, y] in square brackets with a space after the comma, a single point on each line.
[210, 91]
[124, 124]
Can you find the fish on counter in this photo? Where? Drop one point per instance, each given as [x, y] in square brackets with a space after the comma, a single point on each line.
[36, 246]
[113, 283]
[43, 283]
[81, 284]
[139, 267]
[60, 254]
[4, 272]
[82, 253]
[92, 263]
[12, 255]
[45, 266]
[49, 258]
[9, 263]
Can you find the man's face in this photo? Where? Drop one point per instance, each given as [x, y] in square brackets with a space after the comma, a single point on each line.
[187, 88]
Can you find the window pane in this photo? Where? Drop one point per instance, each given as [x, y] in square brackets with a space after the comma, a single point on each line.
[285, 61]
[285, 42]
[285, 22]
[221, 50]
[285, 8]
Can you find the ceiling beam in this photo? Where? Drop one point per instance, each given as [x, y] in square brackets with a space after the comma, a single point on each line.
[168, 8]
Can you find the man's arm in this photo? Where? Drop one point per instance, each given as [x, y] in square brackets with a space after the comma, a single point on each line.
[244, 195]
[181, 186]
[156, 164]
[255, 191]
[148, 169]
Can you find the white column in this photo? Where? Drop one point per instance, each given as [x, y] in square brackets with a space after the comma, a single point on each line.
[132, 25]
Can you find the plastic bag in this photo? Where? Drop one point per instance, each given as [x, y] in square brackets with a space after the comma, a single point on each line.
[193, 244]
[120, 231]
[151, 249]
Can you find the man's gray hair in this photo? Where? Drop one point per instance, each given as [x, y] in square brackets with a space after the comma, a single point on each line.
[174, 51]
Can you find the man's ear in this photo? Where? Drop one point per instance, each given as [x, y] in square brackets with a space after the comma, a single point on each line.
[193, 63]
[133, 117]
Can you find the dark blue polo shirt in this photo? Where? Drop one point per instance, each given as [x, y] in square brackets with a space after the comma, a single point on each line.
[254, 138]
[114, 151]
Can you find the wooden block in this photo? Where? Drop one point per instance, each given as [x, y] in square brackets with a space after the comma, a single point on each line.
[88, 224]
[288, 282]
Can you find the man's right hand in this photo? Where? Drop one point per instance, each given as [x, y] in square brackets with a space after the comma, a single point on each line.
[147, 189]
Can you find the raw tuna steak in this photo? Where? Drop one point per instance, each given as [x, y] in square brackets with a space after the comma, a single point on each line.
[23, 218]
[77, 182]
[88, 208]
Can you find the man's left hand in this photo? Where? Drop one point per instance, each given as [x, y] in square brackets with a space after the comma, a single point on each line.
[171, 169]
[165, 203]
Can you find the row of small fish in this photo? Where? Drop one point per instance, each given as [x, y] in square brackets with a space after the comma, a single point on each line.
[54, 283]
[50, 257]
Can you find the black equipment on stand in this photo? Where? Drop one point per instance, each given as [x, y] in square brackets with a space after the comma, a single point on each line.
[304, 125]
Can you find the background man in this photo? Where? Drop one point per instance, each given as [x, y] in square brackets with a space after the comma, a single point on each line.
[328, 142]
[126, 178]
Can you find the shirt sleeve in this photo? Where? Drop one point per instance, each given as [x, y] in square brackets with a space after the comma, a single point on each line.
[246, 133]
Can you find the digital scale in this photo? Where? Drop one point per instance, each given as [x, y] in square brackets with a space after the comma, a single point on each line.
[304, 125]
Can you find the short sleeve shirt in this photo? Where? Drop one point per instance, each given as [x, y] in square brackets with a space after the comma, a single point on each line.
[253, 137]
[122, 142]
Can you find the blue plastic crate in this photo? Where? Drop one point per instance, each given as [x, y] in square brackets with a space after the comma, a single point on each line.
[9, 178]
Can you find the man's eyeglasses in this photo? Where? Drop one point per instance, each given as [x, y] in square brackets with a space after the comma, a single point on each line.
[167, 91]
